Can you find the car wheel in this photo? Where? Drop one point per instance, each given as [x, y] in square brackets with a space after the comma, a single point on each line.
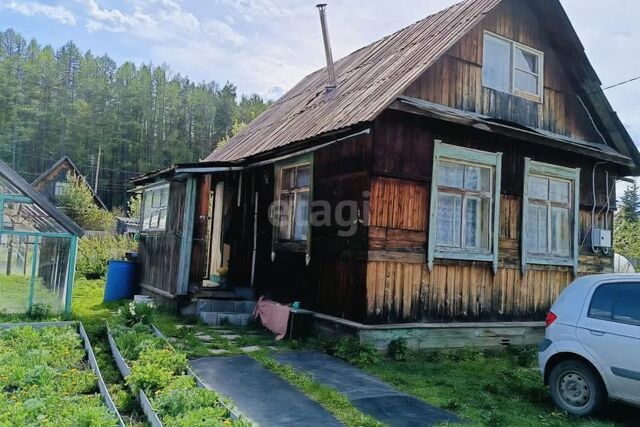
[576, 388]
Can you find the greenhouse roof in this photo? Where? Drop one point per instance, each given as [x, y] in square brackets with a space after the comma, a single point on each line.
[44, 214]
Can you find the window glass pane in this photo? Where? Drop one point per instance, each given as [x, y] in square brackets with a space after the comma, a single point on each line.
[525, 82]
[155, 218]
[302, 217]
[559, 191]
[560, 232]
[162, 222]
[627, 304]
[496, 65]
[28, 217]
[448, 221]
[288, 176]
[537, 229]
[285, 210]
[538, 188]
[155, 198]
[526, 61]
[602, 301]
[477, 179]
[451, 175]
[303, 176]
[164, 197]
[476, 226]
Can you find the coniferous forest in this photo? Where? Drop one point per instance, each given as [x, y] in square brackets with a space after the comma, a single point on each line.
[64, 102]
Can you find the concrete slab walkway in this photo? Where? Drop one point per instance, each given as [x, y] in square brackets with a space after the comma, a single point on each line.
[259, 394]
[367, 393]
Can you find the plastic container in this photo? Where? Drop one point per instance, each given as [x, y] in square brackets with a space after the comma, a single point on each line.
[121, 280]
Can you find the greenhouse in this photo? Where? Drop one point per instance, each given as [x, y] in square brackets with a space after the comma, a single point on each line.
[38, 246]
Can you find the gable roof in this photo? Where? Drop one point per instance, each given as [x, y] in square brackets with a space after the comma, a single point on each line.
[372, 78]
[50, 174]
[369, 79]
[41, 201]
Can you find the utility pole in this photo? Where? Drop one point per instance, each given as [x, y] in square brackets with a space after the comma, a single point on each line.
[95, 184]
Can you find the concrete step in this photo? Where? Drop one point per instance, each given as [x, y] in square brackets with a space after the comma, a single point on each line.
[219, 318]
[225, 306]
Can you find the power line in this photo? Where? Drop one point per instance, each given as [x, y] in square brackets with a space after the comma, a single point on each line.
[615, 85]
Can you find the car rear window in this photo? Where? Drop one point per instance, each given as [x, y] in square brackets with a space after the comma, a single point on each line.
[618, 302]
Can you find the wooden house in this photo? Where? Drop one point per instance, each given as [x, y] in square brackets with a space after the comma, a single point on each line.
[52, 182]
[458, 170]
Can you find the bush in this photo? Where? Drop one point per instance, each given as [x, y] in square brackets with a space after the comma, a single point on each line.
[136, 314]
[40, 312]
[94, 252]
[398, 350]
[351, 350]
[77, 202]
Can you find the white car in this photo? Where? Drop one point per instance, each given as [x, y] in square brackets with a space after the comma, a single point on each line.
[591, 350]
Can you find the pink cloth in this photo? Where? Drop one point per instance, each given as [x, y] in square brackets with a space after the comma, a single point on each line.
[273, 316]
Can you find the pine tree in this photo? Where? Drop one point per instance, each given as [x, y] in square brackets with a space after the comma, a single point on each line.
[65, 102]
[630, 203]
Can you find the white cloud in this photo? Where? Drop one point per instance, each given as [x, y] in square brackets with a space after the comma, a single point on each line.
[250, 10]
[31, 8]
[223, 30]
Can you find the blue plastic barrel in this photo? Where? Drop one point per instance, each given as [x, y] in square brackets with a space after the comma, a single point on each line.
[121, 280]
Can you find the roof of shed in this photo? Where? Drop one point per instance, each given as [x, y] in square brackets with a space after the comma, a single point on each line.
[51, 173]
[369, 79]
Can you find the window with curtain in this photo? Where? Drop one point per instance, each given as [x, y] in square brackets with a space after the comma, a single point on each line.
[550, 217]
[511, 67]
[154, 208]
[465, 200]
[293, 220]
[464, 206]
[550, 213]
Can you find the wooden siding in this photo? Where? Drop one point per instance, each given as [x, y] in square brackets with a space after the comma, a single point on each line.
[400, 288]
[455, 79]
[159, 251]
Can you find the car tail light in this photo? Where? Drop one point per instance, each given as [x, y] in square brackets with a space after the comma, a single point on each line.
[551, 317]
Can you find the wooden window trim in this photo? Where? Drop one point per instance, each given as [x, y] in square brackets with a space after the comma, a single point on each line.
[300, 246]
[539, 98]
[150, 190]
[533, 168]
[457, 154]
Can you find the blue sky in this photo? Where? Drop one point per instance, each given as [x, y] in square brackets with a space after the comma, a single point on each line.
[266, 46]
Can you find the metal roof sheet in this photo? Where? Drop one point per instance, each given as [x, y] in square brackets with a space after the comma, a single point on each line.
[369, 79]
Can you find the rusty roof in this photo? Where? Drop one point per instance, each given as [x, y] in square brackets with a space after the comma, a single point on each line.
[369, 79]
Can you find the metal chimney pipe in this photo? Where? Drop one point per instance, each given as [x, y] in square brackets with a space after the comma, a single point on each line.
[327, 47]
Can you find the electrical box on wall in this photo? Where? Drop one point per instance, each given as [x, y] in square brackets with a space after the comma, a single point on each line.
[601, 238]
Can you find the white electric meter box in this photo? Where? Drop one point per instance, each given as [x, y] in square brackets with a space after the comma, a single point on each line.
[601, 238]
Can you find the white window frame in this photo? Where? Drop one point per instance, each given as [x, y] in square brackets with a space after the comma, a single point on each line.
[150, 212]
[59, 188]
[466, 156]
[557, 173]
[537, 97]
[295, 192]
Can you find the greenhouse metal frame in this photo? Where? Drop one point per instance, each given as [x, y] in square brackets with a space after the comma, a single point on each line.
[38, 239]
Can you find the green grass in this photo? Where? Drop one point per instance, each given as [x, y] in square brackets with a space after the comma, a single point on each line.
[14, 294]
[329, 398]
[335, 402]
[87, 306]
[487, 388]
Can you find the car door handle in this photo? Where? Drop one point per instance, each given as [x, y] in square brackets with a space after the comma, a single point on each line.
[596, 332]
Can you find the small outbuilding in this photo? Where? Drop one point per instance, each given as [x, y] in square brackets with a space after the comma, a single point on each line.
[53, 181]
[38, 246]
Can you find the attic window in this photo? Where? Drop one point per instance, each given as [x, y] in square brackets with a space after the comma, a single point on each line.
[512, 67]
